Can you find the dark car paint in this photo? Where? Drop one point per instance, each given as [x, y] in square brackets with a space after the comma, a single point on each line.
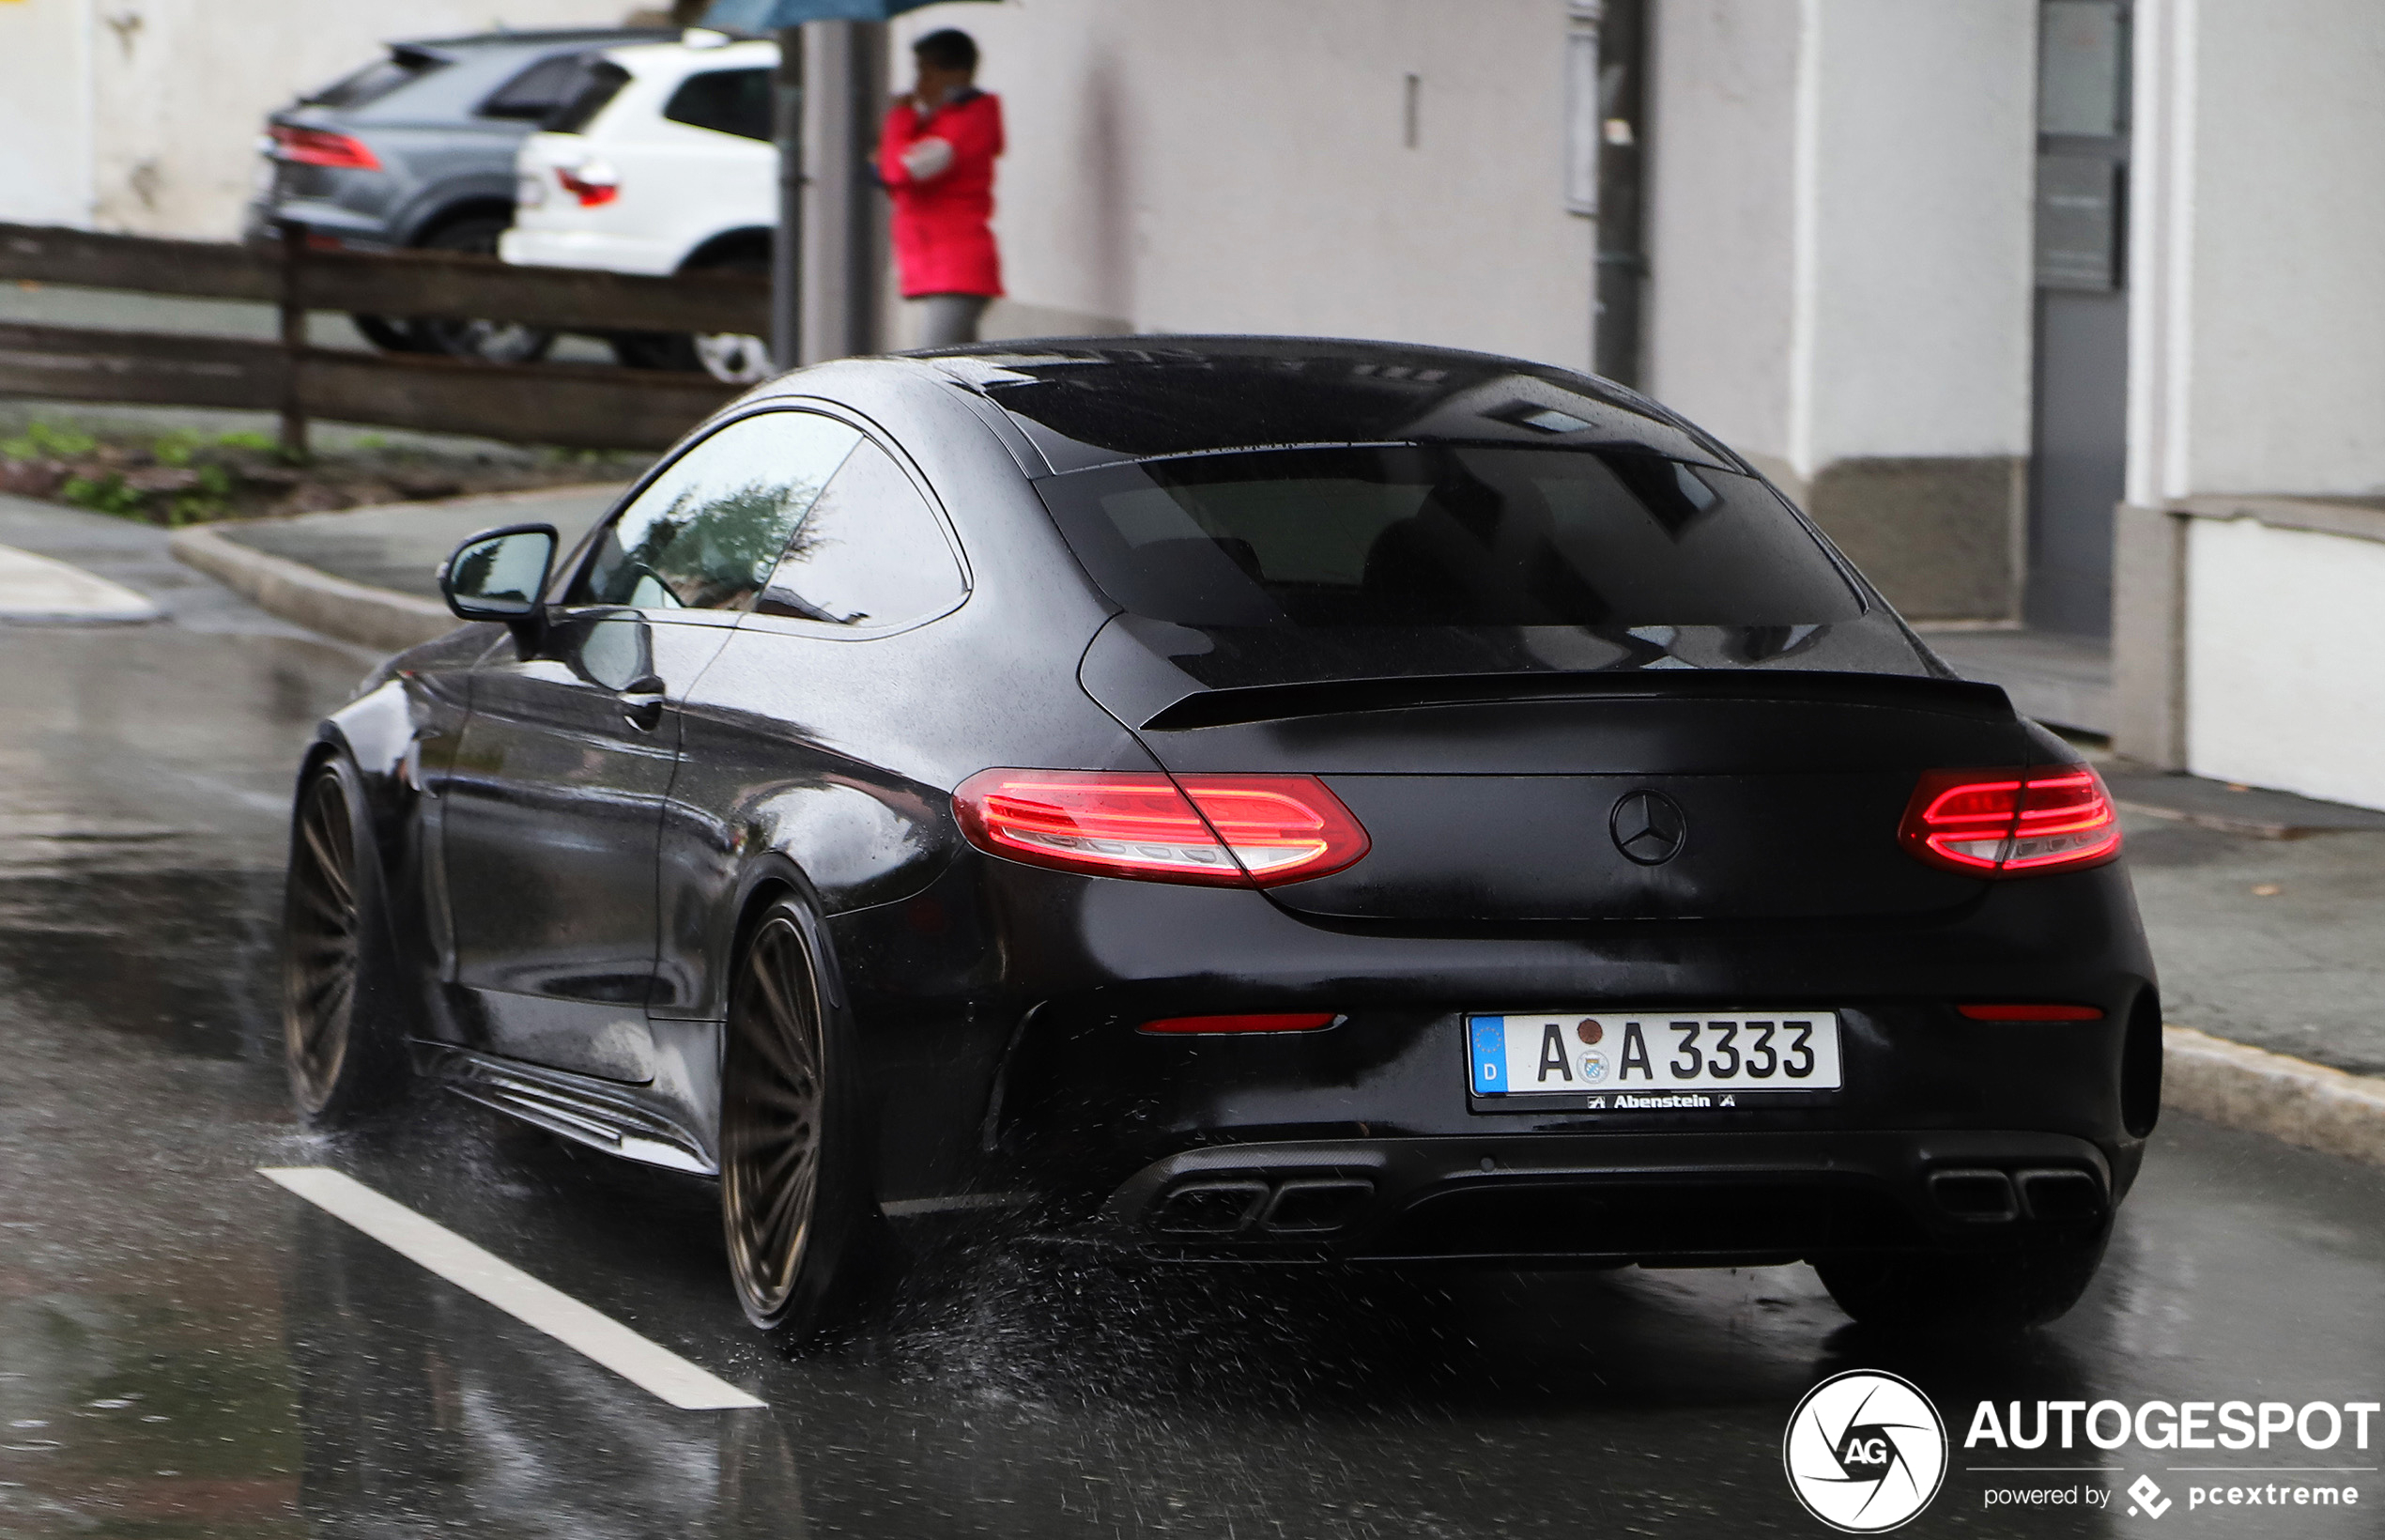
[440, 159]
[997, 1001]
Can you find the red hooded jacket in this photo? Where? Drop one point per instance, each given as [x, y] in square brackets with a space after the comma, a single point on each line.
[942, 242]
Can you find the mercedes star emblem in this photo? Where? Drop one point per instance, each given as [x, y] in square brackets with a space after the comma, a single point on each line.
[1648, 828]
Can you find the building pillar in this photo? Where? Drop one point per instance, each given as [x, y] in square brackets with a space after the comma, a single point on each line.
[1841, 270]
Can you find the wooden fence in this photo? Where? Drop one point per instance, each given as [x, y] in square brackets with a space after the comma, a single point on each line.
[578, 406]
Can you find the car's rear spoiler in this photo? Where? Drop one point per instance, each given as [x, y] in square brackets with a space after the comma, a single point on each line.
[1319, 698]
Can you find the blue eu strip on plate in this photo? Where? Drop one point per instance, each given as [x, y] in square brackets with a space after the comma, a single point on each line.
[1489, 1035]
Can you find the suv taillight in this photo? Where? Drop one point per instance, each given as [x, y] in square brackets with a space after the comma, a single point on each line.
[322, 148]
[2011, 822]
[593, 182]
[1232, 830]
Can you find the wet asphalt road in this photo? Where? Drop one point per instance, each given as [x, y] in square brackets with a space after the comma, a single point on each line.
[187, 1351]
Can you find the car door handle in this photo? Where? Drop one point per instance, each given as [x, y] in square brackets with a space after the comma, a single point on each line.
[641, 705]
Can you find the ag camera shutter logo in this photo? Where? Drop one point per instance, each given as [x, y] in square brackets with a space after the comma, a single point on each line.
[1865, 1451]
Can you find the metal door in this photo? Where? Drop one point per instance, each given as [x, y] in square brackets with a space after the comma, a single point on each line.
[2079, 434]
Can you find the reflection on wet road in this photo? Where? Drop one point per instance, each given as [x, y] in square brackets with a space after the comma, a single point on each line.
[184, 1349]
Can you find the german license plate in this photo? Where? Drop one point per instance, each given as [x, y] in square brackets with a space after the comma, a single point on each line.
[1654, 1059]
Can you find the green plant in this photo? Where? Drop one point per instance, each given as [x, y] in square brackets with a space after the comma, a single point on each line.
[40, 441]
[107, 495]
[208, 500]
[262, 443]
[177, 447]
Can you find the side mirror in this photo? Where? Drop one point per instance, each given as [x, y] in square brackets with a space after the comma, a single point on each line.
[500, 575]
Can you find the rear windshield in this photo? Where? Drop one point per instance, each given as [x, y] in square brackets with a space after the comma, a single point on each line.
[376, 79]
[599, 82]
[1441, 535]
[730, 100]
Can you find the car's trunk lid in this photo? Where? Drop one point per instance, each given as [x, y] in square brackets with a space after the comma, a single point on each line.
[1651, 788]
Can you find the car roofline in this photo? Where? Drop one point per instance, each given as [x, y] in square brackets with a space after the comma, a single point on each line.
[747, 52]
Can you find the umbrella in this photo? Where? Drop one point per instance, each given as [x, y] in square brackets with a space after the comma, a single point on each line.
[770, 15]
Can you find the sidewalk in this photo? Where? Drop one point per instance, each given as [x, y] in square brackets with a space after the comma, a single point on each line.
[371, 575]
[2266, 911]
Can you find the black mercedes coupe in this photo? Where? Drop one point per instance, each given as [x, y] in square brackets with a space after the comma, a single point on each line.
[1243, 798]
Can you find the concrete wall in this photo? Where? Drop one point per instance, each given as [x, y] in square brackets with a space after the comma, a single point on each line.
[176, 92]
[1840, 244]
[2256, 396]
[2257, 235]
[1243, 165]
[45, 112]
[2285, 659]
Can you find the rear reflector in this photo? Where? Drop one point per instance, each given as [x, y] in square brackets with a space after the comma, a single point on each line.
[1215, 829]
[322, 148]
[2032, 1013]
[2011, 822]
[1298, 1021]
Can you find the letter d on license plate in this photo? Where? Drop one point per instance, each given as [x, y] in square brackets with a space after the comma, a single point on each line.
[1603, 1051]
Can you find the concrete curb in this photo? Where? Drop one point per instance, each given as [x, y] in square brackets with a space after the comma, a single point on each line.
[375, 617]
[2289, 1099]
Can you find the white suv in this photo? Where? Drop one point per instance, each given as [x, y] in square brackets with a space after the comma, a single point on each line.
[661, 162]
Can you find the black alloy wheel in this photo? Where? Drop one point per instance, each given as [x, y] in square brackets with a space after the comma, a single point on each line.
[490, 341]
[790, 1198]
[339, 1064]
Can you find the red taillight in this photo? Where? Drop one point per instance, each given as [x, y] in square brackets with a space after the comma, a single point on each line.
[1298, 1020]
[2011, 822]
[322, 148]
[593, 182]
[1220, 829]
[2032, 1013]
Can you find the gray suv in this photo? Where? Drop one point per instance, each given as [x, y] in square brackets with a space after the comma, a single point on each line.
[417, 149]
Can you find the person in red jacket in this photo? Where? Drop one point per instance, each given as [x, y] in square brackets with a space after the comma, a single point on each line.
[936, 158]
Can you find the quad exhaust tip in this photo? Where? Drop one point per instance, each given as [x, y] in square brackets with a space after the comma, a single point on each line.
[1986, 1196]
[1305, 1206]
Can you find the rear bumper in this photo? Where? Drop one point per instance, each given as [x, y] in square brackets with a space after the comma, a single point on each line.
[1682, 1199]
[535, 248]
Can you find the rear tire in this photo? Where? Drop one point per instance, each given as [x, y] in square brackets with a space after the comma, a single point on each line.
[733, 358]
[492, 342]
[341, 1040]
[388, 335]
[1964, 1291]
[794, 1193]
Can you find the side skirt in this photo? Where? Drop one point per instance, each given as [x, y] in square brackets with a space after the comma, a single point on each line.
[600, 1114]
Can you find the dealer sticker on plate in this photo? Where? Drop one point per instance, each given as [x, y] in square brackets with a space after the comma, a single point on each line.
[1654, 1059]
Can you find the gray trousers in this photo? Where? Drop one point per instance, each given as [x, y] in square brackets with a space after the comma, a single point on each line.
[950, 320]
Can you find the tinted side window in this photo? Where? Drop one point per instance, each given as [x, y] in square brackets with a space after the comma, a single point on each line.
[705, 534]
[599, 81]
[726, 101]
[868, 554]
[537, 91]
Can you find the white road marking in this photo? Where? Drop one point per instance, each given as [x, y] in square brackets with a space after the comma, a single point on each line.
[511, 1289]
[43, 589]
